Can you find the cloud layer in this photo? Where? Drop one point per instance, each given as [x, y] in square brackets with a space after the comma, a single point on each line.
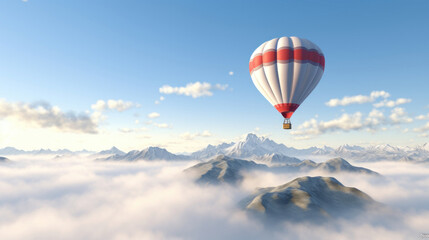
[76, 198]
[194, 90]
[42, 114]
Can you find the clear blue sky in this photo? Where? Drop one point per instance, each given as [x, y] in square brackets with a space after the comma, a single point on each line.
[71, 54]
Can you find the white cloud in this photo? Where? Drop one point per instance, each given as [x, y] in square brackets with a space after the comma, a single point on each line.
[346, 122]
[399, 115]
[359, 99]
[162, 125]
[125, 130]
[153, 115]
[188, 136]
[422, 129]
[231, 73]
[391, 103]
[162, 98]
[206, 133]
[423, 117]
[191, 136]
[375, 118]
[132, 130]
[195, 90]
[100, 105]
[44, 115]
[118, 105]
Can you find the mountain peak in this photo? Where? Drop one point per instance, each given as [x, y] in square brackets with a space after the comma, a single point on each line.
[304, 198]
[252, 137]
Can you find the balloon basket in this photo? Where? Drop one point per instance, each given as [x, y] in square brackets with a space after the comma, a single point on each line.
[287, 124]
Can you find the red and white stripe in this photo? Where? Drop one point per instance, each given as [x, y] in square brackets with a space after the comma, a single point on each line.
[286, 70]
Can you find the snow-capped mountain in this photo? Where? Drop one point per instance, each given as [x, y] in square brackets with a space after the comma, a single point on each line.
[275, 159]
[11, 151]
[260, 149]
[325, 150]
[211, 151]
[150, 153]
[111, 151]
[14, 151]
[252, 147]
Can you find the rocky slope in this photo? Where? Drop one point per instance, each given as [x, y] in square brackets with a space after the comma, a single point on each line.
[308, 198]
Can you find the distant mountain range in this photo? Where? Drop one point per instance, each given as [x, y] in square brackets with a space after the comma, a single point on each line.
[258, 149]
[224, 169]
[261, 149]
[150, 153]
[14, 151]
[308, 199]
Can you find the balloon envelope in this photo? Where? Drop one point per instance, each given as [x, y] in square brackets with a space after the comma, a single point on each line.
[286, 70]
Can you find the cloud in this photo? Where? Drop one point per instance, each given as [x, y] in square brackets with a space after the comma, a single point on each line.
[206, 133]
[374, 121]
[422, 129]
[346, 122]
[118, 105]
[231, 73]
[423, 117]
[162, 98]
[192, 136]
[162, 125]
[399, 115]
[359, 99]
[195, 90]
[153, 115]
[42, 114]
[391, 103]
[77, 198]
[132, 130]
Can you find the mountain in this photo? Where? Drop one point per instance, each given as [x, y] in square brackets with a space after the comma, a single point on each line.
[252, 147]
[275, 159]
[222, 169]
[325, 150]
[211, 151]
[14, 151]
[49, 151]
[111, 151]
[336, 165]
[4, 159]
[230, 170]
[150, 153]
[260, 148]
[11, 151]
[308, 198]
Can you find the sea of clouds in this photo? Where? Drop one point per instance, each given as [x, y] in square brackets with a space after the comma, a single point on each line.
[78, 198]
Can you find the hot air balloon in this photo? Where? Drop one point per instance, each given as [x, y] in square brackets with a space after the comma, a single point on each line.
[286, 70]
